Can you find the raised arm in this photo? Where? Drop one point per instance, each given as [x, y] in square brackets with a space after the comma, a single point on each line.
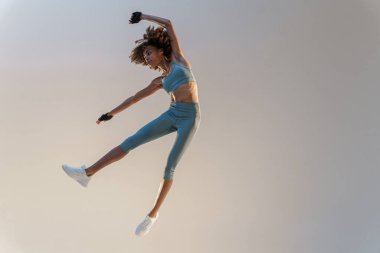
[174, 41]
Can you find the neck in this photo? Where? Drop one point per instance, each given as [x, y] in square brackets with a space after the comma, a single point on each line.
[164, 65]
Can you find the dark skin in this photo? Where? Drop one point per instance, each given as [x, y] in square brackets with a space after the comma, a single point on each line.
[187, 92]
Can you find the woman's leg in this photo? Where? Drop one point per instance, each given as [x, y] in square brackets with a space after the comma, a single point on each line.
[158, 127]
[162, 192]
[185, 133]
[112, 156]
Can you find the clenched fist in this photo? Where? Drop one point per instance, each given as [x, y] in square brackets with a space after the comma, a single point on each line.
[135, 18]
[104, 117]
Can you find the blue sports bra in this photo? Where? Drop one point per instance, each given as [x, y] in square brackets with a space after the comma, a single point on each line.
[177, 76]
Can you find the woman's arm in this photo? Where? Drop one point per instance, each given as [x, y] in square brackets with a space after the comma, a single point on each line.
[174, 41]
[127, 103]
[149, 90]
[161, 21]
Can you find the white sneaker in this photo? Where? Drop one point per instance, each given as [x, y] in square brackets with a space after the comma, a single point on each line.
[77, 173]
[144, 227]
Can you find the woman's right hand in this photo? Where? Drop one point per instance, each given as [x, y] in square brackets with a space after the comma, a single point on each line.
[105, 117]
[136, 17]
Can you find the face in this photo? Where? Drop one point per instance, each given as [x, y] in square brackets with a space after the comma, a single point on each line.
[153, 56]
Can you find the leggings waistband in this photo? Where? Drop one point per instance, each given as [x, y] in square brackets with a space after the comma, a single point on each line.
[185, 105]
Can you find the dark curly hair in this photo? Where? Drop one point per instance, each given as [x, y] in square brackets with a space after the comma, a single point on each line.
[157, 37]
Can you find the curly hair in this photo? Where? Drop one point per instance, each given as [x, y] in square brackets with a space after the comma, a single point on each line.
[157, 37]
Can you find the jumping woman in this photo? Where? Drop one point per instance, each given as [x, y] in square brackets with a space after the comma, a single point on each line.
[160, 50]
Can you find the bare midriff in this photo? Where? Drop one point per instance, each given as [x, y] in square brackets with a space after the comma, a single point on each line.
[187, 92]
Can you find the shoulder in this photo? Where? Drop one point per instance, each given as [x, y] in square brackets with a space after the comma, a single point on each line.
[157, 82]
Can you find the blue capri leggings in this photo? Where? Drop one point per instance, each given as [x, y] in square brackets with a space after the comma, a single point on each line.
[183, 117]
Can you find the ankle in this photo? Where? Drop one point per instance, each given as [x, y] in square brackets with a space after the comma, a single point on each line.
[88, 173]
[153, 214]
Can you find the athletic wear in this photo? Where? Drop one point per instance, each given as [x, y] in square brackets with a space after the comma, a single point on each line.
[144, 227]
[178, 75]
[78, 174]
[183, 117]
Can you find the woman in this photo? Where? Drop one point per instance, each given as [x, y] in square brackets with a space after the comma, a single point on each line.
[160, 50]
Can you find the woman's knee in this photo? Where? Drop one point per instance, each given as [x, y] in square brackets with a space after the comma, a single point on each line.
[120, 150]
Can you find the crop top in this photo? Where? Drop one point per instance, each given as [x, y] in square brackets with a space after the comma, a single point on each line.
[177, 76]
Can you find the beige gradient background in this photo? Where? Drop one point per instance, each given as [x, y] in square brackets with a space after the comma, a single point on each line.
[286, 158]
